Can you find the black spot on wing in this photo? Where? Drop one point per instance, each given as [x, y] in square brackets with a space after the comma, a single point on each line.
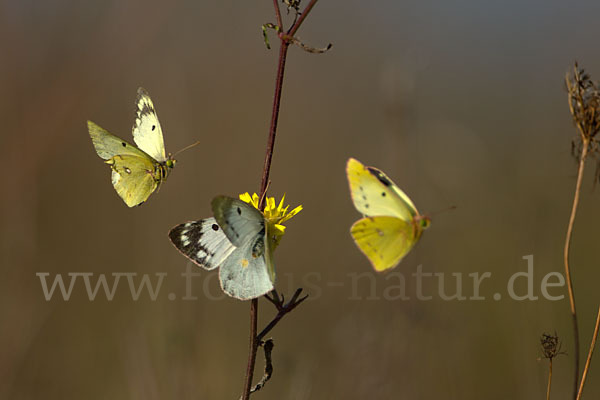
[380, 176]
[146, 109]
[215, 227]
[239, 210]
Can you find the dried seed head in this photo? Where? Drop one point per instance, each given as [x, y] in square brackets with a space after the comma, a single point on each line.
[584, 103]
[551, 345]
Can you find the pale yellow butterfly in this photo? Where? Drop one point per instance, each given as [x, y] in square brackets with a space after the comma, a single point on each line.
[136, 171]
[391, 226]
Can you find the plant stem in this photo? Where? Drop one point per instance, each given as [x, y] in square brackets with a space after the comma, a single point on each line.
[252, 350]
[274, 119]
[584, 153]
[549, 380]
[589, 357]
[254, 340]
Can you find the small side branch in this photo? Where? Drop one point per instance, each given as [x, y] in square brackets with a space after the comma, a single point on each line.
[290, 39]
[282, 309]
[268, 348]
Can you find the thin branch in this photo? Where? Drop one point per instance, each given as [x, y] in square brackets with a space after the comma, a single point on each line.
[589, 357]
[277, 13]
[566, 262]
[309, 49]
[282, 311]
[292, 31]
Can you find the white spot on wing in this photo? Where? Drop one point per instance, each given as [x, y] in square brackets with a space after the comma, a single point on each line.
[115, 177]
[201, 253]
[185, 240]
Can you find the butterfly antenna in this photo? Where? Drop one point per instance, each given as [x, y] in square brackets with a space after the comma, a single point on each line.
[443, 210]
[187, 147]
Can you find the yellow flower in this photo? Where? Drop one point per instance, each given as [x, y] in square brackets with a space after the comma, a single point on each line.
[275, 215]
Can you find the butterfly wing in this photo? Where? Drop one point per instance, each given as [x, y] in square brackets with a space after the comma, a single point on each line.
[240, 221]
[245, 274]
[385, 240]
[108, 145]
[203, 242]
[147, 132]
[373, 193]
[248, 272]
[134, 177]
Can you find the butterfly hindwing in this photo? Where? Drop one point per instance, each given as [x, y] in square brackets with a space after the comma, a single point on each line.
[203, 242]
[373, 193]
[245, 274]
[384, 240]
[147, 132]
[134, 178]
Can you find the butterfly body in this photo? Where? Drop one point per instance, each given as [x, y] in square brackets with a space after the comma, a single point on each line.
[136, 171]
[391, 226]
[236, 240]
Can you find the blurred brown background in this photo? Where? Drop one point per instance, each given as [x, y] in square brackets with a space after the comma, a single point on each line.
[461, 103]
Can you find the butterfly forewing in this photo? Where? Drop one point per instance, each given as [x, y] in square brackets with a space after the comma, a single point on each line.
[384, 240]
[203, 242]
[108, 145]
[147, 132]
[240, 221]
[373, 193]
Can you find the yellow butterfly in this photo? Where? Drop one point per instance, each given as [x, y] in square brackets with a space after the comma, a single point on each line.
[136, 171]
[391, 226]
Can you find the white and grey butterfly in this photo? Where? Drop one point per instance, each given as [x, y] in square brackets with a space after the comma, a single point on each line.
[237, 241]
[136, 171]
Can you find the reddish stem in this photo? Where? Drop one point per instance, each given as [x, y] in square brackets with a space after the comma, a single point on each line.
[254, 340]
